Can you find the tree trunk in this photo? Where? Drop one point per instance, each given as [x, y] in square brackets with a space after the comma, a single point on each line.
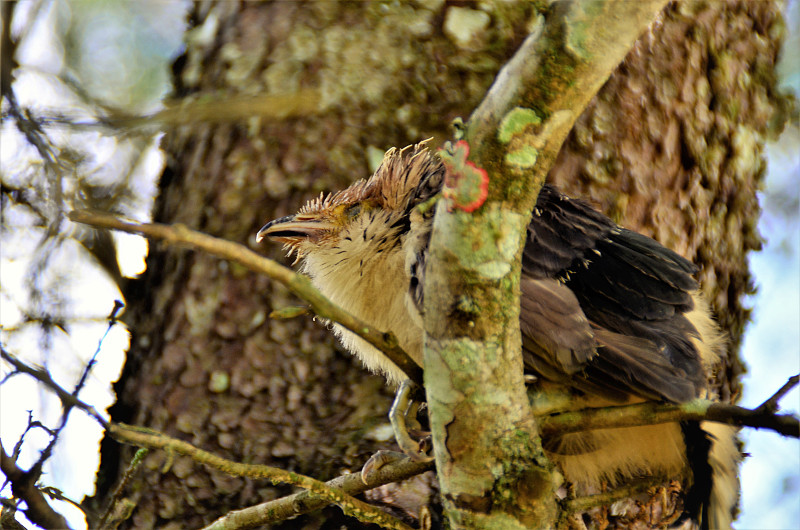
[671, 146]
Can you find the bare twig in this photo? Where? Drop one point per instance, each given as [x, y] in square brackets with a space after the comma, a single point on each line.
[68, 405]
[771, 405]
[43, 376]
[297, 283]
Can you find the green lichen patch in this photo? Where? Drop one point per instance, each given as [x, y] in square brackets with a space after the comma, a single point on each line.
[515, 122]
[522, 158]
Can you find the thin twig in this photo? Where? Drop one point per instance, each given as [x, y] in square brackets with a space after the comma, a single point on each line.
[43, 376]
[119, 491]
[771, 405]
[67, 406]
[582, 504]
[297, 283]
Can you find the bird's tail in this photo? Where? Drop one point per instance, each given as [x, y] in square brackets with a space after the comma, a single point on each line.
[714, 457]
[724, 459]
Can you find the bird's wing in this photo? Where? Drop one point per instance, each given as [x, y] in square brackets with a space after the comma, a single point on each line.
[605, 307]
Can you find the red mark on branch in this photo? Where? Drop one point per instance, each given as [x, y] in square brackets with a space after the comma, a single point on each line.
[466, 186]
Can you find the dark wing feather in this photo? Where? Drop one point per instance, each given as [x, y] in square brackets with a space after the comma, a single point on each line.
[561, 335]
[630, 290]
[552, 249]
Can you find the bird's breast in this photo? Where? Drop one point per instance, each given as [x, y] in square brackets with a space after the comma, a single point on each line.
[373, 288]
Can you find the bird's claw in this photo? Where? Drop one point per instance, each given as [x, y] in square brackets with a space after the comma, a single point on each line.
[404, 412]
[376, 462]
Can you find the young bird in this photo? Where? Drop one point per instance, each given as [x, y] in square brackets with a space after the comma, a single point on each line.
[608, 316]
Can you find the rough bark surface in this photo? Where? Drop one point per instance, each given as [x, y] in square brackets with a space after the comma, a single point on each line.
[670, 147]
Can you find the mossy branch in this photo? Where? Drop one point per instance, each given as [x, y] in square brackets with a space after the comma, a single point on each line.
[651, 413]
[474, 260]
[517, 130]
[143, 437]
[278, 510]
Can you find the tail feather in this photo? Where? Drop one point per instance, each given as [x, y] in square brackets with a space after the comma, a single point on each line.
[713, 497]
[724, 459]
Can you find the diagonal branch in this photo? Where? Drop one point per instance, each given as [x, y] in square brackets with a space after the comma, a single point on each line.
[651, 413]
[297, 283]
[42, 375]
[474, 262]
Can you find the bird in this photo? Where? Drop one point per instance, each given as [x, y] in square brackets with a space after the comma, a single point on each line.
[608, 316]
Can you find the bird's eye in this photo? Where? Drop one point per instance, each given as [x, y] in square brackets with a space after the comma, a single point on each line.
[353, 210]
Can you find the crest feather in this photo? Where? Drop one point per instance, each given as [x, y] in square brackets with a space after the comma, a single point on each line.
[393, 186]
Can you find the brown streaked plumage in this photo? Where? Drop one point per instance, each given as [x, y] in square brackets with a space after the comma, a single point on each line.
[607, 315]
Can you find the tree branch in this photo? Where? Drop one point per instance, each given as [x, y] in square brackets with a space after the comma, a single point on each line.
[320, 494]
[582, 504]
[287, 507]
[297, 283]
[651, 413]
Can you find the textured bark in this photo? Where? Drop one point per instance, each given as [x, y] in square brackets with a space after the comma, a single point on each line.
[671, 147]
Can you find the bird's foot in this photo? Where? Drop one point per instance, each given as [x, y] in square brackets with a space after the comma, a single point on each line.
[403, 416]
[376, 462]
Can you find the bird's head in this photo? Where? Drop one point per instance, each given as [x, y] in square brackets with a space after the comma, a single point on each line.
[369, 216]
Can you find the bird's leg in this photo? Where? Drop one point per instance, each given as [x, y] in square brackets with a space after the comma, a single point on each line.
[402, 415]
[404, 412]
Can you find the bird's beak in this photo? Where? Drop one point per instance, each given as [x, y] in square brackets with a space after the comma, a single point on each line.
[294, 228]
